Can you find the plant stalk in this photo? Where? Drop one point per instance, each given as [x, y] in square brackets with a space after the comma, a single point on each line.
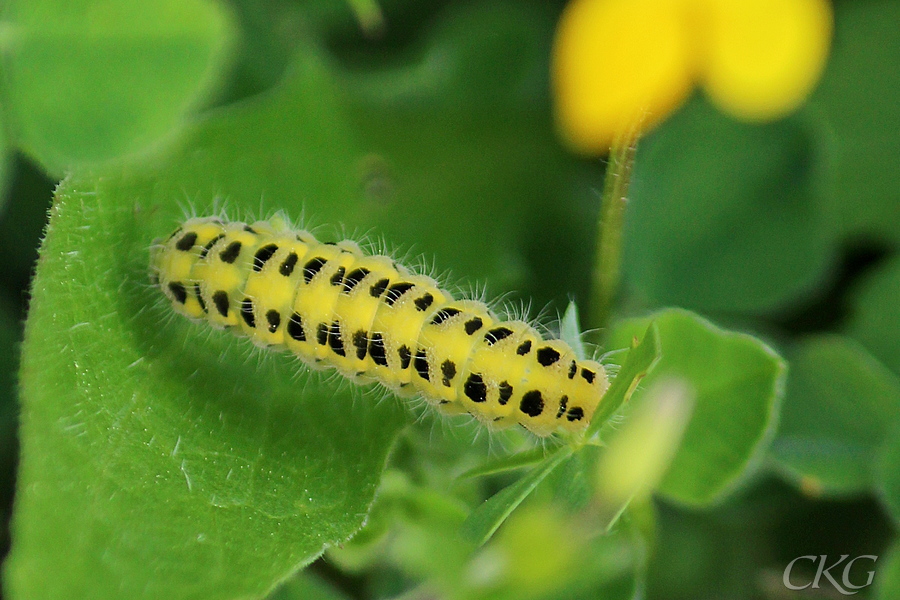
[607, 263]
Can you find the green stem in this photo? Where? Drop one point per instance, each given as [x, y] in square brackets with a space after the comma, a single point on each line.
[607, 270]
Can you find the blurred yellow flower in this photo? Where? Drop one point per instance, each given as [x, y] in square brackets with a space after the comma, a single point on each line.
[624, 65]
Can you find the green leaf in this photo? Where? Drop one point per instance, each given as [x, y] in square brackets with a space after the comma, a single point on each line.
[92, 80]
[160, 458]
[840, 406]
[857, 100]
[487, 518]
[570, 331]
[726, 216]
[637, 363]
[875, 318]
[738, 382]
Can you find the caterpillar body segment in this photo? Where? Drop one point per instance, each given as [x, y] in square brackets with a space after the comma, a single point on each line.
[374, 320]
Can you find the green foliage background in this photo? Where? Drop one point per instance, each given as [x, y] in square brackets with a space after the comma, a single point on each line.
[162, 460]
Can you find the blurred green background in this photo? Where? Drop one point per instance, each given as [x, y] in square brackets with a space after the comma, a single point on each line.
[429, 124]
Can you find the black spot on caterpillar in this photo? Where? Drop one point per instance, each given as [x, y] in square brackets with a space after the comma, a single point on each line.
[375, 320]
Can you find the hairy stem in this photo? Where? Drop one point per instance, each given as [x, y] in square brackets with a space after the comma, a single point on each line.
[607, 264]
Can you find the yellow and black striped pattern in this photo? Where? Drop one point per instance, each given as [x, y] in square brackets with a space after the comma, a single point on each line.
[374, 320]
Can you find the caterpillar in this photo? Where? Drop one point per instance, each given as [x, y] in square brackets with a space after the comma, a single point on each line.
[333, 305]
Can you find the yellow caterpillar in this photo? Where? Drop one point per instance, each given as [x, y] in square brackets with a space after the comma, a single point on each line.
[374, 320]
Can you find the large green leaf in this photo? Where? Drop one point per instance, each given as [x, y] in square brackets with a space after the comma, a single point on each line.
[738, 382]
[726, 216]
[159, 458]
[839, 407]
[93, 79]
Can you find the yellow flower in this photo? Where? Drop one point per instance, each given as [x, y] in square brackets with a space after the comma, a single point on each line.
[621, 66]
